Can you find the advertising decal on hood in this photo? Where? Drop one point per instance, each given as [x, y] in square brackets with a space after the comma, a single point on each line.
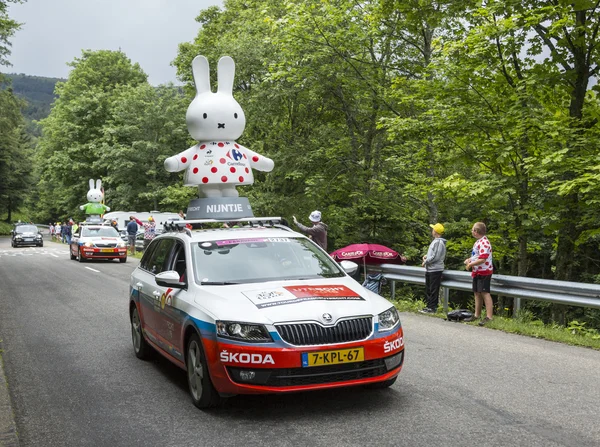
[298, 294]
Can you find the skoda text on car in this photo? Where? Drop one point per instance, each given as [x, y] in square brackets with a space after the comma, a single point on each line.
[26, 234]
[260, 309]
[97, 242]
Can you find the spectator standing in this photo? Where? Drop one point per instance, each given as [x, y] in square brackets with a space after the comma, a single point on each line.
[67, 232]
[57, 231]
[63, 232]
[132, 229]
[181, 215]
[433, 262]
[51, 230]
[149, 230]
[481, 265]
[318, 232]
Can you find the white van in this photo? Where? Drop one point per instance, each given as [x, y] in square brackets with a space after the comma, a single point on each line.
[122, 218]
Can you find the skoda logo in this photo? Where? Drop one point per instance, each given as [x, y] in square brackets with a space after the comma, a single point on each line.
[327, 318]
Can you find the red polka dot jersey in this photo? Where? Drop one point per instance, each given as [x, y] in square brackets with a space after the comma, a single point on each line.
[218, 162]
[482, 249]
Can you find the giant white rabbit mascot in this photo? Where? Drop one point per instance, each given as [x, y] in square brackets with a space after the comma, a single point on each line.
[217, 164]
[94, 196]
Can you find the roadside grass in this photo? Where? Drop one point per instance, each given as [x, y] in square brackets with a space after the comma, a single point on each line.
[575, 334]
[5, 226]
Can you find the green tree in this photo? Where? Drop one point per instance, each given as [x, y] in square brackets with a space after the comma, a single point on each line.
[8, 27]
[70, 149]
[15, 155]
[146, 126]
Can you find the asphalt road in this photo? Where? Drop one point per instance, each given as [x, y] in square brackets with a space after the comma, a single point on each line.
[74, 380]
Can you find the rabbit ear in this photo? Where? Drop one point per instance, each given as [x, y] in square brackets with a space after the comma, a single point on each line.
[225, 74]
[98, 184]
[201, 73]
[91, 183]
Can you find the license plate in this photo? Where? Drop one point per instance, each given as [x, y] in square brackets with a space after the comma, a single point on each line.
[320, 358]
[105, 250]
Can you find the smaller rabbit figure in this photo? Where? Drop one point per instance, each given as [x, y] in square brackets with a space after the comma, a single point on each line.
[217, 164]
[95, 195]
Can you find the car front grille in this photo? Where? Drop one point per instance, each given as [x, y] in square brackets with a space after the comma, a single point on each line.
[283, 377]
[105, 244]
[305, 334]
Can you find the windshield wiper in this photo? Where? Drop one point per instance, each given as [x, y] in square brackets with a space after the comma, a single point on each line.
[331, 275]
[218, 283]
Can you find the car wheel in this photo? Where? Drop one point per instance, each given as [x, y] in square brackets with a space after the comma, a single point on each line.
[41, 245]
[140, 346]
[204, 394]
[123, 259]
[79, 256]
[73, 257]
[12, 243]
[381, 385]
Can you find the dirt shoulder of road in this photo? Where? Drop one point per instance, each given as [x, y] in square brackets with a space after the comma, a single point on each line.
[8, 427]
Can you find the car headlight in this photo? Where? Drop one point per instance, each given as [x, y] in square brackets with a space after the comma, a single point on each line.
[121, 244]
[252, 333]
[388, 319]
[39, 236]
[88, 244]
[18, 238]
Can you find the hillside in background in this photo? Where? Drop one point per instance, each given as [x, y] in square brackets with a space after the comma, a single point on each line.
[38, 91]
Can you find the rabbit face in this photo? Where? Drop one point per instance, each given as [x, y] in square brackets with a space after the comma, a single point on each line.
[94, 195]
[215, 116]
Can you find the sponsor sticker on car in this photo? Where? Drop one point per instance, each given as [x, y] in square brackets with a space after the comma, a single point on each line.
[298, 294]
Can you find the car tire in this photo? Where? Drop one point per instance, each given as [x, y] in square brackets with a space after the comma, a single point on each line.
[121, 260]
[73, 257]
[41, 245]
[79, 257]
[381, 385]
[141, 348]
[202, 391]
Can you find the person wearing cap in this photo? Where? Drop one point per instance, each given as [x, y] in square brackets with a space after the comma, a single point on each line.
[433, 262]
[149, 230]
[318, 232]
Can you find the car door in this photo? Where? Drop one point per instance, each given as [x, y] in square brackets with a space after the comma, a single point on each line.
[154, 262]
[172, 304]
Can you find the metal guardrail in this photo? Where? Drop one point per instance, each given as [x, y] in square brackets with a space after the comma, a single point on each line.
[518, 287]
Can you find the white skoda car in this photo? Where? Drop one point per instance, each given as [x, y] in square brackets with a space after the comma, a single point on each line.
[260, 309]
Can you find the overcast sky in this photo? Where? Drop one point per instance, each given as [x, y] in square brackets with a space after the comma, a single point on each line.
[148, 31]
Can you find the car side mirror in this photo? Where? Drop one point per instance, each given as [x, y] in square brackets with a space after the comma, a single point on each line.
[170, 278]
[349, 267]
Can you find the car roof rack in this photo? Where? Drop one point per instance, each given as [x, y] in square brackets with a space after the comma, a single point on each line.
[182, 225]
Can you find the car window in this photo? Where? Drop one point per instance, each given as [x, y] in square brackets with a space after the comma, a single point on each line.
[158, 261]
[260, 260]
[99, 232]
[147, 256]
[26, 229]
[178, 261]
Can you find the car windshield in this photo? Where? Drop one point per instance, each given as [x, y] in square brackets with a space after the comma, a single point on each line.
[99, 232]
[26, 229]
[238, 261]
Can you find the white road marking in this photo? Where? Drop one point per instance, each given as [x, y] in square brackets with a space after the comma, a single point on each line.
[93, 270]
[52, 254]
